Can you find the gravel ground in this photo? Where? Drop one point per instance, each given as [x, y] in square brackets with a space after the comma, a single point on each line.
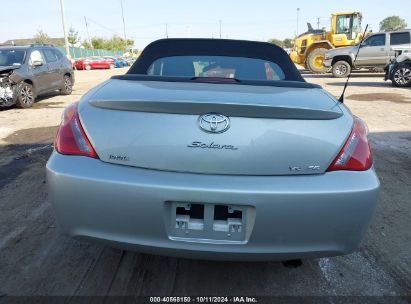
[36, 260]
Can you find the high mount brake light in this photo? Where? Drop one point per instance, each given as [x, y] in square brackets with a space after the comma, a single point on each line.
[215, 79]
[71, 138]
[356, 153]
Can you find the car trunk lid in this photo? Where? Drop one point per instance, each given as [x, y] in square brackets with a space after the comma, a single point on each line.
[273, 130]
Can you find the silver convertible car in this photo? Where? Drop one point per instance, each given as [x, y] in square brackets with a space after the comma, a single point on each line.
[213, 149]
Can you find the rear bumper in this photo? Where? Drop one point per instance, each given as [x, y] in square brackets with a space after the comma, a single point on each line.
[295, 216]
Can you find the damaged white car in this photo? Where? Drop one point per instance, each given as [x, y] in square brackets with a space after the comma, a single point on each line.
[399, 69]
[7, 89]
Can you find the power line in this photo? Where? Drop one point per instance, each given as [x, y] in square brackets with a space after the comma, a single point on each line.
[103, 26]
[88, 33]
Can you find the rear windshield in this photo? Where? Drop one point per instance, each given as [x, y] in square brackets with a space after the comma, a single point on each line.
[10, 57]
[241, 68]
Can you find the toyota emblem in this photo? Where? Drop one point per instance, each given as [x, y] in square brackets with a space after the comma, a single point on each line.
[214, 123]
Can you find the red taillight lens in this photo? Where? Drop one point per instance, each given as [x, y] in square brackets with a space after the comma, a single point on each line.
[71, 138]
[356, 153]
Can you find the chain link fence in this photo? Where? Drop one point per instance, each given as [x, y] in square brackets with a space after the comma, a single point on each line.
[76, 52]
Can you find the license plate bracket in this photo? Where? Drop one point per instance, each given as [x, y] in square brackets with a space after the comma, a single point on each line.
[207, 222]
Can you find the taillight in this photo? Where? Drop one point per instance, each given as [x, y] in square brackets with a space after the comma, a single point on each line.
[71, 138]
[356, 153]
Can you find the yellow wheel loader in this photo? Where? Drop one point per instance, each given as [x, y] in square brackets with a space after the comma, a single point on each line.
[310, 47]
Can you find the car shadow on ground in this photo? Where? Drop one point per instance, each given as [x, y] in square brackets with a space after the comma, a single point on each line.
[41, 101]
[37, 260]
[355, 79]
[47, 96]
[360, 84]
[388, 97]
[355, 74]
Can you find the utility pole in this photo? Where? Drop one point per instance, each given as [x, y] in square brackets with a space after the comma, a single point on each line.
[298, 20]
[88, 33]
[318, 23]
[219, 21]
[166, 30]
[64, 28]
[124, 24]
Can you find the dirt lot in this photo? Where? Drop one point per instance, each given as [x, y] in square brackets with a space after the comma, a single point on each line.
[36, 260]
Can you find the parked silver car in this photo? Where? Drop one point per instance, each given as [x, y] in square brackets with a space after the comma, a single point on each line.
[215, 149]
[375, 53]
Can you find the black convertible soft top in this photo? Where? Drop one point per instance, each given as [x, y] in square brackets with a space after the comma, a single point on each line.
[215, 47]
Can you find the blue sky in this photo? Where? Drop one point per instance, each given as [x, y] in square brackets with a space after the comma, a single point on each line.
[146, 20]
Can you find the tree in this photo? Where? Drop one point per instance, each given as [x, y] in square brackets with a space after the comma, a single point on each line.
[59, 42]
[277, 42]
[72, 36]
[41, 37]
[392, 23]
[98, 43]
[288, 43]
[115, 43]
[130, 43]
[86, 44]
